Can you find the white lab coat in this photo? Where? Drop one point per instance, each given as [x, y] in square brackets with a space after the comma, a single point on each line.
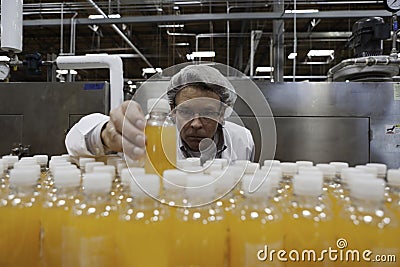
[84, 139]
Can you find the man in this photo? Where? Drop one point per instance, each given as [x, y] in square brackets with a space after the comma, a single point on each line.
[200, 98]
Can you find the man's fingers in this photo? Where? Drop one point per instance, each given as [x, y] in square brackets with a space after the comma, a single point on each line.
[133, 134]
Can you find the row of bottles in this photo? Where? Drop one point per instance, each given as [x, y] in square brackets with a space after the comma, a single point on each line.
[282, 214]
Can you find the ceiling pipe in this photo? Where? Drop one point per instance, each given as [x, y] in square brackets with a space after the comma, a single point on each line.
[120, 33]
[99, 61]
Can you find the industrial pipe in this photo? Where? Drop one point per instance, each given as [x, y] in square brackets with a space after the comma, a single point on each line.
[99, 61]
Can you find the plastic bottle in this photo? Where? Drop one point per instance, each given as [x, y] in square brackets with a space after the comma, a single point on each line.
[91, 241]
[256, 222]
[20, 220]
[199, 233]
[367, 224]
[160, 134]
[142, 234]
[56, 213]
[309, 223]
[392, 192]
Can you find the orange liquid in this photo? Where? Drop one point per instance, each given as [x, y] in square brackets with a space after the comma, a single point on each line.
[368, 236]
[304, 233]
[160, 149]
[90, 242]
[20, 236]
[198, 243]
[142, 243]
[249, 236]
[54, 223]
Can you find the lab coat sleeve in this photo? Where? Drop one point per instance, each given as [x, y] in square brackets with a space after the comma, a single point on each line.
[84, 138]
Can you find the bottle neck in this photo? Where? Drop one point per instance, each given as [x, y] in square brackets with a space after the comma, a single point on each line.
[144, 202]
[307, 200]
[96, 198]
[367, 205]
[158, 115]
[67, 192]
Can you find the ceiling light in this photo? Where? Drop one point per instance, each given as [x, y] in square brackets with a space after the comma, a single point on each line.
[188, 3]
[111, 16]
[200, 54]
[301, 11]
[4, 58]
[180, 44]
[150, 71]
[64, 72]
[292, 55]
[203, 54]
[264, 69]
[320, 53]
[171, 25]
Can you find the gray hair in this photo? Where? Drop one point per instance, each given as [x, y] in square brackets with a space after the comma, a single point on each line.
[203, 76]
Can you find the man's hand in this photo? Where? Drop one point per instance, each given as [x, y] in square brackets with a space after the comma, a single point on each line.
[125, 130]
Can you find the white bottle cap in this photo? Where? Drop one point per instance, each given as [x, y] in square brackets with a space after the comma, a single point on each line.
[261, 183]
[157, 105]
[82, 162]
[67, 157]
[90, 165]
[200, 186]
[42, 160]
[67, 177]
[97, 182]
[120, 167]
[21, 164]
[174, 179]
[57, 157]
[393, 177]
[308, 184]
[34, 168]
[53, 165]
[227, 178]
[339, 166]
[368, 169]
[128, 175]
[359, 177]
[252, 167]
[272, 163]
[113, 160]
[304, 163]
[222, 162]
[308, 169]
[347, 172]
[148, 184]
[105, 168]
[372, 189]
[211, 166]
[288, 168]
[3, 167]
[381, 169]
[328, 170]
[10, 160]
[24, 176]
[28, 160]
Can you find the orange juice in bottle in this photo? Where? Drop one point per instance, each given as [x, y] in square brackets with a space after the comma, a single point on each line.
[90, 238]
[142, 230]
[199, 232]
[367, 224]
[256, 224]
[20, 220]
[56, 213]
[160, 134]
[309, 222]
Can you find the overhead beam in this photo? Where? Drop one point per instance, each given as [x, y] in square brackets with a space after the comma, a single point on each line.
[213, 17]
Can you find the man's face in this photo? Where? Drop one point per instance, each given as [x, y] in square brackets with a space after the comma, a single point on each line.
[197, 112]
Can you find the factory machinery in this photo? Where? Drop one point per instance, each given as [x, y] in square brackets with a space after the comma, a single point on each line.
[354, 117]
